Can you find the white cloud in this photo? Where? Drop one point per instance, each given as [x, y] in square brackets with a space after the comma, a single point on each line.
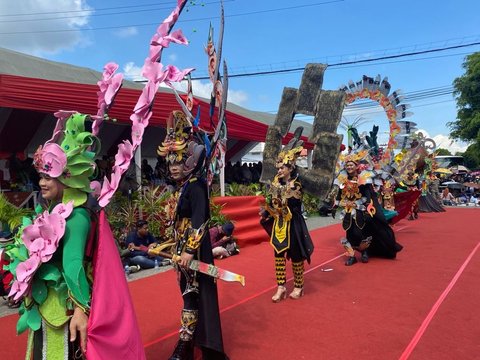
[26, 31]
[199, 88]
[126, 32]
[445, 142]
[132, 72]
[204, 89]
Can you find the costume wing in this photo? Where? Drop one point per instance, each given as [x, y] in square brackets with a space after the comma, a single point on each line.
[113, 331]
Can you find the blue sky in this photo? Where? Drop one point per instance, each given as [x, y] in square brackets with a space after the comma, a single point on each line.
[266, 35]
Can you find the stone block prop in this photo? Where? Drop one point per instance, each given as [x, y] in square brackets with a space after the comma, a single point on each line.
[326, 107]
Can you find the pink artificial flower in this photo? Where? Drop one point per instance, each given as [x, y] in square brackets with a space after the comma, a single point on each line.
[18, 289]
[27, 268]
[110, 186]
[62, 117]
[153, 71]
[124, 155]
[64, 210]
[97, 120]
[109, 69]
[178, 38]
[114, 85]
[174, 74]
[137, 133]
[146, 98]
[96, 188]
[50, 160]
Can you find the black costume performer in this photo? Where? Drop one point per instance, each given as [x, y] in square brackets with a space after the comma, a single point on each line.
[283, 221]
[363, 218]
[200, 319]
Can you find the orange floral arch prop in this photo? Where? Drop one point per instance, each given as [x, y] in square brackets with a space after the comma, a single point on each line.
[378, 91]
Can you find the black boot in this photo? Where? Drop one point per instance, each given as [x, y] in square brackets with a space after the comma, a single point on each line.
[183, 351]
[351, 260]
[364, 258]
[184, 348]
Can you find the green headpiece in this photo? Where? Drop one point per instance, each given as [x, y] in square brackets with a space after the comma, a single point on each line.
[71, 162]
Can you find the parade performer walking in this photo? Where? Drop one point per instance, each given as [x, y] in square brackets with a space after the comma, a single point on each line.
[58, 272]
[283, 221]
[200, 319]
[363, 219]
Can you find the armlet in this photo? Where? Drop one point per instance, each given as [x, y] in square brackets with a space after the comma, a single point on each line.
[194, 238]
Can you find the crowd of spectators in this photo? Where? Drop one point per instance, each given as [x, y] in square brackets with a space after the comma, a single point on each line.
[461, 189]
[239, 173]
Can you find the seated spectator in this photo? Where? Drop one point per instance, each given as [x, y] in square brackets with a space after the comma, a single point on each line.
[462, 199]
[474, 200]
[448, 198]
[138, 242]
[223, 244]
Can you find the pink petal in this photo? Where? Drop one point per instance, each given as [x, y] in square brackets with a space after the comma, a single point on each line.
[64, 210]
[146, 98]
[96, 187]
[109, 69]
[175, 74]
[113, 88]
[153, 71]
[178, 37]
[124, 155]
[18, 289]
[30, 234]
[109, 187]
[27, 268]
[36, 246]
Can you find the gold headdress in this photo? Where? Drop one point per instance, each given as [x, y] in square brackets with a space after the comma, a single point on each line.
[179, 145]
[355, 156]
[290, 152]
[289, 156]
[179, 131]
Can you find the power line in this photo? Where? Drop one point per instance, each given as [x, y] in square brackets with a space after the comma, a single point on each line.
[180, 21]
[412, 53]
[417, 95]
[88, 11]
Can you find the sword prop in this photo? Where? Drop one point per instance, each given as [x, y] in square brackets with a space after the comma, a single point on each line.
[207, 269]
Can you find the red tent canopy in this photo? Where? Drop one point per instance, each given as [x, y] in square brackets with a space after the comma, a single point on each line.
[50, 96]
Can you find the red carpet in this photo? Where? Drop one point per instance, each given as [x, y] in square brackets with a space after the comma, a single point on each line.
[367, 311]
[243, 211]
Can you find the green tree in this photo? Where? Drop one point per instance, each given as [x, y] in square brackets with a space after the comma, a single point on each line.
[442, 152]
[467, 94]
[471, 156]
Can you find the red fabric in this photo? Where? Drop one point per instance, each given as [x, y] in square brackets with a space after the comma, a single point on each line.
[50, 96]
[7, 276]
[113, 331]
[243, 211]
[403, 204]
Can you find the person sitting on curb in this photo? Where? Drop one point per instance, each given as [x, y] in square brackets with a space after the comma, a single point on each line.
[223, 244]
[139, 242]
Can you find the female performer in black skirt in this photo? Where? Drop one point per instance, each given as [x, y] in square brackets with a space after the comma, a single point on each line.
[284, 222]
